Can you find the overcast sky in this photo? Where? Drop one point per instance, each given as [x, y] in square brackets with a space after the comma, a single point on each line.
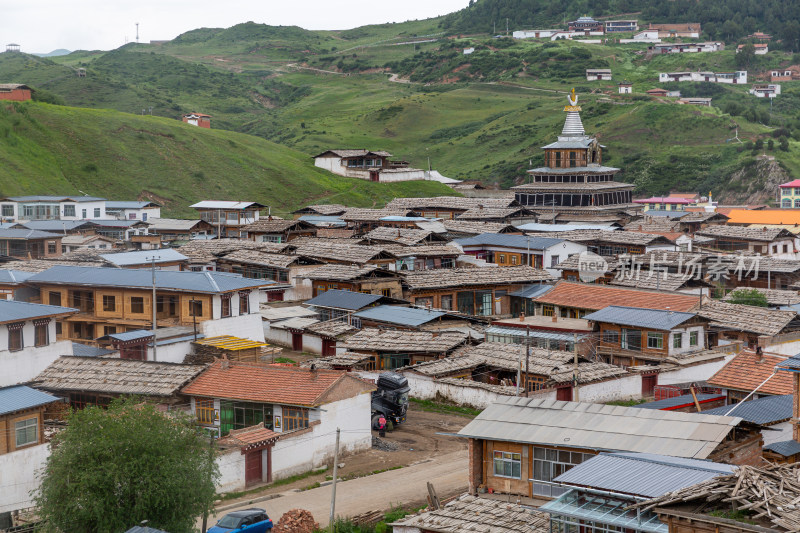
[46, 25]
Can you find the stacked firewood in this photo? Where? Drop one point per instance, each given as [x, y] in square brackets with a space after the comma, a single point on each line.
[296, 521]
[771, 493]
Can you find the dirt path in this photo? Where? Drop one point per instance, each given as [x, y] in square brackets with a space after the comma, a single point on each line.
[423, 454]
[397, 79]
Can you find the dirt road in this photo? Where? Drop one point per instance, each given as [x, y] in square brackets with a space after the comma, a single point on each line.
[424, 456]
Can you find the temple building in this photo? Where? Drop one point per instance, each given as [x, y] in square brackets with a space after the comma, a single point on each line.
[574, 180]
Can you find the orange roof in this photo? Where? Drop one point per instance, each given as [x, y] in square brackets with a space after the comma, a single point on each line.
[596, 297]
[786, 217]
[747, 371]
[254, 382]
[671, 235]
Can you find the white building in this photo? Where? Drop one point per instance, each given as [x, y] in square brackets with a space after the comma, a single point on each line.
[593, 74]
[25, 208]
[468, 51]
[645, 36]
[625, 88]
[229, 217]
[374, 166]
[133, 210]
[534, 34]
[283, 420]
[766, 90]
[736, 78]
[29, 339]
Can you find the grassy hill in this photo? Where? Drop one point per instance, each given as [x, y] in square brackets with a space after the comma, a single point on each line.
[49, 149]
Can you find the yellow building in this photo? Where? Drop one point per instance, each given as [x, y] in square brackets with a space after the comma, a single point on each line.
[790, 194]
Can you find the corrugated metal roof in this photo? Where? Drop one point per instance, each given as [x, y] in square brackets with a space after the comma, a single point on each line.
[56, 226]
[537, 226]
[214, 204]
[20, 397]
[404, 316]
[141, 257]
[205, 282]
[639, 317]
[323, 220]
[26, 234]
[641, 474]
[580, 143]
[11, 277]
[532, 291]
[13, 311]
[792, 364]
[587, 170]
[509, 241]
[343, 299]
[534, 333]
[84, 350]
[784, 448]
[683, 399]
[765, 411]
[113, 205]
[77, 199]
[131, 335]
[600, 427]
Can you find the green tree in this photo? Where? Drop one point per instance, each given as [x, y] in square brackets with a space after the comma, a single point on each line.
[111, 469]
[748, 297]
[745, 56]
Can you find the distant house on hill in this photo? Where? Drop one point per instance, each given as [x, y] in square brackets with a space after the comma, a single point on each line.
[373, 166]
[198, 119]
[691, 29]
[16, 92]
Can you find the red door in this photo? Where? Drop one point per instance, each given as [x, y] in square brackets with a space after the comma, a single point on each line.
[328, 347]
[564, 394]
[252, 467]
[649, 384]
[297, 342]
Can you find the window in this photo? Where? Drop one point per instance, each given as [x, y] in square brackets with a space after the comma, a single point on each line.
[611, 336]
[137, 304]
[655, 340]
[26, 432]
[554, 260]
[51, 247]
[226, 305]
[693, 338]
[386, 292]
[447, 302]
[501, 258]
[271, 238]
[69, 210]
[96, 212]
[572, 161]
[677, 340]
[15, 336]
[427, 301]
[41, 334]
[466, 302]
[558, 159]
[8, 210]
[547, 310]
[109, 302]
[204, 409]
[508, 464]
[83, 213]
[786, 202]
[549, 464]
[631, 339]
[514, 259]
[109, 330]
[54, 298]
[244, 302]
[294, 418]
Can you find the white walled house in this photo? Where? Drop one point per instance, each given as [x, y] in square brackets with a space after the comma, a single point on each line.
[134, 210]
[228, 217]
[29, 339]
[373, 166]
[534, 34]
[23, 450]
[26, 208]
[513, 250]
[766, 90]
[594, 74]
[736, 78]
[645, 36]
[278, 421]
[625, 88]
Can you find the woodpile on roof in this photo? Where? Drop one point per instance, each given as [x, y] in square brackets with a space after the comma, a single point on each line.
[331, 328]
[40, 265]
[747, 318]
[207, 251]
[770, 493]
[745, 233]
[324, 209]
[400, 236]
[379, 340]
[653, 279]
[359, 214]
[257, 257]
[276, 225]
[472, 513]
[339, 272]
[494, 213]
[774, 296]
[338, 250]
[474, 227]
[463, 277]
[659, 224]
[338, 361]
[449, 202]
[597, 235]
[423, 250]
[115, 376]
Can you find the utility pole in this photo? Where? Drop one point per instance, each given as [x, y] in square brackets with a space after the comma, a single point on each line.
[137, 32]
[153, 304]
[527, 355]
[193, 307]
[576, 395]
[506, 26]
[519, 370]
[335, 473]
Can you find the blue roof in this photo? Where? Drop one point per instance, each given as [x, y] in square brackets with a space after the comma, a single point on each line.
[537, 226]
[398, 218]
[77, 198]
[509, 241]
[641, 474]
[638, 317]
[56, 226]
[13, 276]
[116, 223]
[141, 257]
[675, 401]
[792, 364]
[666, 213]
[205, 282]
[131, 335]
[11, 233]
[533, 333]
[14, 311]
[323, 220]
[21, 397]
[344, 299]
[532, 291]
[764, 411]
[404, 316]
[113, 205]
[84, 350]
[784, 448]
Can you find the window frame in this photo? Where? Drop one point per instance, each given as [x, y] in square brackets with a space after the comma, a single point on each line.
[677, 340]
[139, 302]
[110, 303]
[507, 461]
[657, 338]
[226, 309]
[694, 338]
[26, 430]
[15, 334]
[41, 334]
[294, 418]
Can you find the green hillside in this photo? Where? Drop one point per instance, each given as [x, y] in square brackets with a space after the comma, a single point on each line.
[48, 149]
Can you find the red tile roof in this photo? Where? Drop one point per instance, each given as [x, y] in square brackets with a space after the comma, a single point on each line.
[253, 435]
[254, 382]
[596, 297]
[795, 183]
[747, 371]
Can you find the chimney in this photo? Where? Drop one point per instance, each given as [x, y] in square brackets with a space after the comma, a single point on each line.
[225, 365]
[555, 317]
[759, 354]
[522, 317]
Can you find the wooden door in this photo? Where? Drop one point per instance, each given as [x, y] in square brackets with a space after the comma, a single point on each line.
[649, 384]
[297, 342]
[252, 468]
[328, 347]
[564, 394]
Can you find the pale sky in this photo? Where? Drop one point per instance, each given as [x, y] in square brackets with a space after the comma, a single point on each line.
[46, 25]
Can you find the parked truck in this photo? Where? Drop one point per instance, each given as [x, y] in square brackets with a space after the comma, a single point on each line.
[390, 399]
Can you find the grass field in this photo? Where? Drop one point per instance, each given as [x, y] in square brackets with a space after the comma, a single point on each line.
[48, 149]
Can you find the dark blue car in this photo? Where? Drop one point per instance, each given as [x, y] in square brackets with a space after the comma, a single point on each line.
[248, 521]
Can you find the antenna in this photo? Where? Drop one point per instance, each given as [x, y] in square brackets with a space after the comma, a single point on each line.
[137, 32]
